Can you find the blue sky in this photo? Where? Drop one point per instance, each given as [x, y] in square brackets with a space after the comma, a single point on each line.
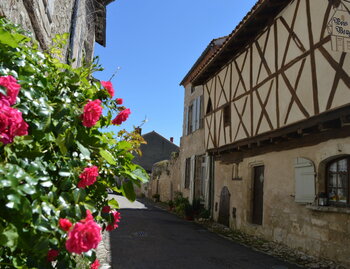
[155, 43]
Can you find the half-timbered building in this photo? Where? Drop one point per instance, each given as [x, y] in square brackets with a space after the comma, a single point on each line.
[277, 123]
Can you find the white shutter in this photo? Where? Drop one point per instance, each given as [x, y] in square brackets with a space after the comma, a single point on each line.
[193, 160]
[304, 172]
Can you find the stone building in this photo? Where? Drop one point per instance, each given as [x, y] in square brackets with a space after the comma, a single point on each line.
[84, 20]
[277, 124]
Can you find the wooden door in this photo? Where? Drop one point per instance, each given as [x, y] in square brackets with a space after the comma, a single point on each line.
[258, 195]
[224, 210]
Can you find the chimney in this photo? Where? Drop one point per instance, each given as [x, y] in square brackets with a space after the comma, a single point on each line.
[172, 139]
[138, 130]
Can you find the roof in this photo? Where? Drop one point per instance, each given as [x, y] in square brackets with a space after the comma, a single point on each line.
[210, 49]
[260, 16]
[155, 133]
[100, 20]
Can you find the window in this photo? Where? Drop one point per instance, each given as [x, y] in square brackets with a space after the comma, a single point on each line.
[227, 115]
[194, 116]
[209, 106]
[193, 88]
[187, 173]
[338, 182]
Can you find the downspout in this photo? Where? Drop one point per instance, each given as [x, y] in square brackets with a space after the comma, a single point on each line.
[72, 29]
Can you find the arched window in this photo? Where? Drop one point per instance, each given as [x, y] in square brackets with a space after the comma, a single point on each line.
[338, 181]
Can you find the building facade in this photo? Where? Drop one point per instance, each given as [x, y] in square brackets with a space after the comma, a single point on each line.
[277, 124]
[83, 20]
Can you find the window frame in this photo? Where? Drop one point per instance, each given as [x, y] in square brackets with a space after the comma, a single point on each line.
[328, 186]
[226, 110]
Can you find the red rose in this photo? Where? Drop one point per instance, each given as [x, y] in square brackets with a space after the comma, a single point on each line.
[95, 265]
[65, 224]
[109, 87]
[122, 116]
[119, 101]
[116, 219]
[52, 255]
[88, 177]
[12, 89]
[92, 113]
[83, 237]
[11, 123]
[106, 209]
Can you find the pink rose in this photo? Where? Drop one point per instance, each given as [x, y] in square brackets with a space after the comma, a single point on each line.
[65, 224]
[116, 219]
[88, 177]
[95, 265]
[106, 209]
[122, 116]
[11, 123]
[52, 255]
[119, 101]
[83, 237]
[109, 87]
[12, 89]
[92, 113]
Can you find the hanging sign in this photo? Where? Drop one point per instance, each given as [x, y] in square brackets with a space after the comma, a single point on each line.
[339, 28]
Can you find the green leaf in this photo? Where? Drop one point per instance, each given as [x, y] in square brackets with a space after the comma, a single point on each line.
[79, 195]
[83, 150]
[9, 237]
[61, 144]
[107, 156]
[113, 203]
[124, 145]
[141, 174]
[6, 38]
[128, 191]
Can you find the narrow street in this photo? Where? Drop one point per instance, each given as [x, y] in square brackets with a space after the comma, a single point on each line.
[153, 238]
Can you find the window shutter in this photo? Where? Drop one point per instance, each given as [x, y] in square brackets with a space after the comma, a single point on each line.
[198, 112]
[194, 115]
[304, 172]
[186, 122]
[201, 106]
[193, 163]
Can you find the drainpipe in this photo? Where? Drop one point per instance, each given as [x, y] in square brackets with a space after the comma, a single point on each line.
[72, 29]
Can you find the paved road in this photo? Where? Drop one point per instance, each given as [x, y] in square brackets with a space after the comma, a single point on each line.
[151, 238]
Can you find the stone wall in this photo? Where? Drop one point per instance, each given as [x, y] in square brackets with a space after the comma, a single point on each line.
[319, 231]
[46, 18]
[165, 179]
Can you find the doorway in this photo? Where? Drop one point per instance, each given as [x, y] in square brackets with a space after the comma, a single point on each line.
[258, 194]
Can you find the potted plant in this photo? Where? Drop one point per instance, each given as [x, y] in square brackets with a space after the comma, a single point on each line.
[189, 212]
[171, 205]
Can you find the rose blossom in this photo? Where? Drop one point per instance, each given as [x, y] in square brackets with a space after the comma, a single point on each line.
[95, 265]
[11, 123]
[122, 116]
[116, 219]
[119, 101]
[106, 209]
[84, 236]
[92, 113]
[88, 177]
[52, 255]
[65, 224]
[12, 89]
[109, 87]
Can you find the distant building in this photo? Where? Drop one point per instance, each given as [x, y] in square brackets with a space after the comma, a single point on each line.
[84, 20]
[276, 126]
[157, 149]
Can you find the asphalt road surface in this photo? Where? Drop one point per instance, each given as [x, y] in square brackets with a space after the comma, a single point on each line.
[151, 238]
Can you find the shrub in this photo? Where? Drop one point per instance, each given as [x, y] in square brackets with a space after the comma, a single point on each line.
[56, 161]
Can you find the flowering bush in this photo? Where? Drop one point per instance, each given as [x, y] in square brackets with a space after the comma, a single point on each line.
[56, 161]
